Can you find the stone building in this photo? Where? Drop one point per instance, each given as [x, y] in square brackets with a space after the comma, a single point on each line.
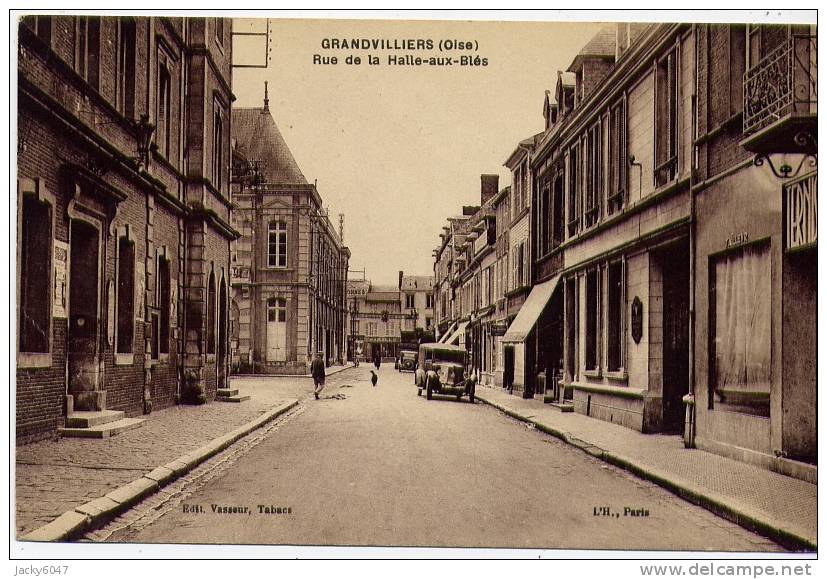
[377, 319]
[289, 265]
[123, 234]
[416, 295]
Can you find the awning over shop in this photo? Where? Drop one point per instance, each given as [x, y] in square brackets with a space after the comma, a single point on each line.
[457, 333]
[447, 334]
[528, 315]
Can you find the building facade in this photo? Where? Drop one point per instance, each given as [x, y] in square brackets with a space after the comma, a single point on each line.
[755, 247]
[377, 316]
[123, 222]
[289, 265]
[416, 295]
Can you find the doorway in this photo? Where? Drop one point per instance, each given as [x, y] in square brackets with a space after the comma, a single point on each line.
[82, 346]
[674, 265]
[508, 363]
[276, 330]
[221, 362]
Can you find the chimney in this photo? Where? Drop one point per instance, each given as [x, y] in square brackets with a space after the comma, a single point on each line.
[489, 185]
[400, 279]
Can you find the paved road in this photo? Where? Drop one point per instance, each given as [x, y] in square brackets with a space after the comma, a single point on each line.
[381, 466]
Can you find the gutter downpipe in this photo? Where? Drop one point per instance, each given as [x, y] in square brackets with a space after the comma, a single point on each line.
[689, 399]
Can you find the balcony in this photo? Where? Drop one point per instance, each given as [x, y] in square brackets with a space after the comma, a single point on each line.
[780, 99]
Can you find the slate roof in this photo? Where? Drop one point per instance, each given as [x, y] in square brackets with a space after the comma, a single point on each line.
[421, 282]
[259, 139]
[602, 44]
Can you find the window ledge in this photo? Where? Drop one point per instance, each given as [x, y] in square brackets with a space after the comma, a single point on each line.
[34, 360]
[124, 359]
[622, 391]
[596, 373]
[617, 375]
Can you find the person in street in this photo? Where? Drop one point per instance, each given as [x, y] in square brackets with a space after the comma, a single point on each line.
[318, 372]
[377, 360]
[373, 378]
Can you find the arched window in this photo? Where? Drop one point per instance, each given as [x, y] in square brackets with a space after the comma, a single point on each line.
[34, 267]
[211, 314]
[277, 244]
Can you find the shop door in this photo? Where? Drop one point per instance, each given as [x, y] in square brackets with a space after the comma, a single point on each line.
[675, 267]
[83, 315]
[508, 362]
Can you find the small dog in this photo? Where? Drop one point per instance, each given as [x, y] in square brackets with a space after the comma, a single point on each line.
[373, 378]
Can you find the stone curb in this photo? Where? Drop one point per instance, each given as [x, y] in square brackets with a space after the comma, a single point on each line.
[308, 376]
[692, 493]
[80, 519]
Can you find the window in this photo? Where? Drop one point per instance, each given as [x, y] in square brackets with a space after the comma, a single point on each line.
[594, 175]
[277, 244]
[558, 220]
[572, 309]
[741, 326]
[35, 271]
[87, 49]
[737, 67]
[592, 307]
[41, 26]
[429, 300]
[574, 189]
[164, 304]
[519, 269]
[219, 31]
[218, 146]
[126, 295]
[164, 104]
[615, 316]
[428, 323]
[544, 217]
[125, 97]
[276, 310]
[409, 300]
[666, 119]
[617, 158]
[211, 314]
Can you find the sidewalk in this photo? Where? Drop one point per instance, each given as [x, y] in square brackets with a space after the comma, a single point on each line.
[54, 477]
[783, 508]
[329, 371]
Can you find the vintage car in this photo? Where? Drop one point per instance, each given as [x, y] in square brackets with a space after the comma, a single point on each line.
[441, 370]
[406, 361]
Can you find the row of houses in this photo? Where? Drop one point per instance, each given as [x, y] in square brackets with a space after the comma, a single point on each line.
[653, 263]
[379, 316]
[163, 236]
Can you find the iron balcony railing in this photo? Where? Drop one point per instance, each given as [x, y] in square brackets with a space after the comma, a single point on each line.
[782, 83]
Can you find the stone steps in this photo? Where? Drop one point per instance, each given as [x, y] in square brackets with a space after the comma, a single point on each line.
[227, 392]
[234, 398]
[86, 419]
[103, 430]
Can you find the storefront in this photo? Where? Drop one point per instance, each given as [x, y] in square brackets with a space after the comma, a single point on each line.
[755, 389]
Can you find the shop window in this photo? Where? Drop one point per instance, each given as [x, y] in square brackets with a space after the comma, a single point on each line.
[35, 268]
[277, 244]
[666, 119]
[741, 330]
[592, 307]
[615, 316]
[571, 327]
[163, 305]
[126, 295]
[617, 158]
[211, 314]
[87, 49]
[125, 98]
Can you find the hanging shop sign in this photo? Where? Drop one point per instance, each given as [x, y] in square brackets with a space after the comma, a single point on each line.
[801, 213]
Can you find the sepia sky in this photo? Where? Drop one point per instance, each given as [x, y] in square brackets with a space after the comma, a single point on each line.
[398, 149]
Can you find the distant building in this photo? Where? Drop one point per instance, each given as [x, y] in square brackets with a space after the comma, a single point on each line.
[123, 128]
[416, 294]
[289, 266]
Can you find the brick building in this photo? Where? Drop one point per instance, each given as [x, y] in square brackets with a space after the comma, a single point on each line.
[123, 141]
[755, 246]
[289, 265]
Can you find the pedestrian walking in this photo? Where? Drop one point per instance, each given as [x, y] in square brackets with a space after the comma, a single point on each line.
[317, 370]
[377, 360]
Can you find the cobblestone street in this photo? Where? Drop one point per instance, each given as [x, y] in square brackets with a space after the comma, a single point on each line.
[54, 476]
